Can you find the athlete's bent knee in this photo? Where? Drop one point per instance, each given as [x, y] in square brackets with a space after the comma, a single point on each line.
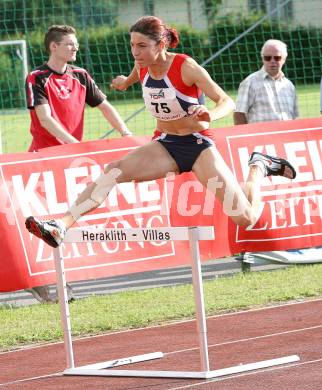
[123, 175]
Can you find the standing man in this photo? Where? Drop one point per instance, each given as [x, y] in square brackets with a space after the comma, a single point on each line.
[267, 95]
[57, 93]
[56, 96]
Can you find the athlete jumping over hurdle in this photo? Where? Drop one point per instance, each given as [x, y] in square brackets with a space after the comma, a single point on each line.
[173, 87]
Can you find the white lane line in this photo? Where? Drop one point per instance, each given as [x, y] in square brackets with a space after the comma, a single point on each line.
[211, 346]
[260, 371]
[249, 339]
[31, 379]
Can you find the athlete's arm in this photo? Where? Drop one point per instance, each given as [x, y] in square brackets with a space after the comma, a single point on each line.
[114, 118]
[192, 73]
[53, 127]
[121, 83]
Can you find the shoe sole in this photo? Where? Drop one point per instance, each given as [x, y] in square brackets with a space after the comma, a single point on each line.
[291, 174]
[286, 169]
[36, 229]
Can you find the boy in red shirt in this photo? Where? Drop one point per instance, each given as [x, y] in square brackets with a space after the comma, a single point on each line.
[56, 96]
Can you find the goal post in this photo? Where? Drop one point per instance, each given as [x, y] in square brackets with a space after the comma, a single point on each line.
[21, 52]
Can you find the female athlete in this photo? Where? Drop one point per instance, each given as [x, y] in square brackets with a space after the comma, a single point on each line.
[173, 88]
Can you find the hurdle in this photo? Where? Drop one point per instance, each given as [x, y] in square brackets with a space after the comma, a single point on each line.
[106, 368]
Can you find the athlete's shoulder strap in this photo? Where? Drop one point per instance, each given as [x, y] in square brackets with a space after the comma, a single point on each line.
[175, 76]
[179, 59]
[175, 68]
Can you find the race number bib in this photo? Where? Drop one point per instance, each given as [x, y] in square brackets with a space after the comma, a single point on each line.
[163, 103]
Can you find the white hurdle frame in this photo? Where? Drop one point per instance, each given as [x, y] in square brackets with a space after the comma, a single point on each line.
[194, 235]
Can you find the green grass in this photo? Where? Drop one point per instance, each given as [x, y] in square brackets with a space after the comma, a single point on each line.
[15, 125]
[98, 314]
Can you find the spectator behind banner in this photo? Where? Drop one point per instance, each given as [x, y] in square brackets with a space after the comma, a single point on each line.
[267, 95]
[56, 96]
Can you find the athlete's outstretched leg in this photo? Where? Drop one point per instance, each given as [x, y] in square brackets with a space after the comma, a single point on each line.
[53, 231]
[147, 162]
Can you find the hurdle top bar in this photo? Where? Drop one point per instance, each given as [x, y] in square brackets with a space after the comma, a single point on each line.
[92, 234]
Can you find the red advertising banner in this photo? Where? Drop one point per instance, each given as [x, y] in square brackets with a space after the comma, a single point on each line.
[46, 184]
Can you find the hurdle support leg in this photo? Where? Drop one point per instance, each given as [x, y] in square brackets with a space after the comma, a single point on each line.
[64, 307]
[199, 298]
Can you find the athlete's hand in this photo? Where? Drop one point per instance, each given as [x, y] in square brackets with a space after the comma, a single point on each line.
[200, 112]
[119, 83]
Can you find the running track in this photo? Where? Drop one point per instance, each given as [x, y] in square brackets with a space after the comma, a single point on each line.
[243, 337]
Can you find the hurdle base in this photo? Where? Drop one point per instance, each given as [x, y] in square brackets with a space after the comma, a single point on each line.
[95, 371]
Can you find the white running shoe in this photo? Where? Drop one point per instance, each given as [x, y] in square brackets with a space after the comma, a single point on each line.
[52, 231]
[274, 166]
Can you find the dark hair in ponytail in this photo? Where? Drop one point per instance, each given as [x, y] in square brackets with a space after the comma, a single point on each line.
[155, 29]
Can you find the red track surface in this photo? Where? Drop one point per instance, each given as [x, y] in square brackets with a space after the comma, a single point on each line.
[243, 337]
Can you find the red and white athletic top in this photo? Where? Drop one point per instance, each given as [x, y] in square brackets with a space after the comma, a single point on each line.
[169, 99]
[66, 94]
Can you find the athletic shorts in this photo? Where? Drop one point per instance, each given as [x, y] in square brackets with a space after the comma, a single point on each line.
[185, 149]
